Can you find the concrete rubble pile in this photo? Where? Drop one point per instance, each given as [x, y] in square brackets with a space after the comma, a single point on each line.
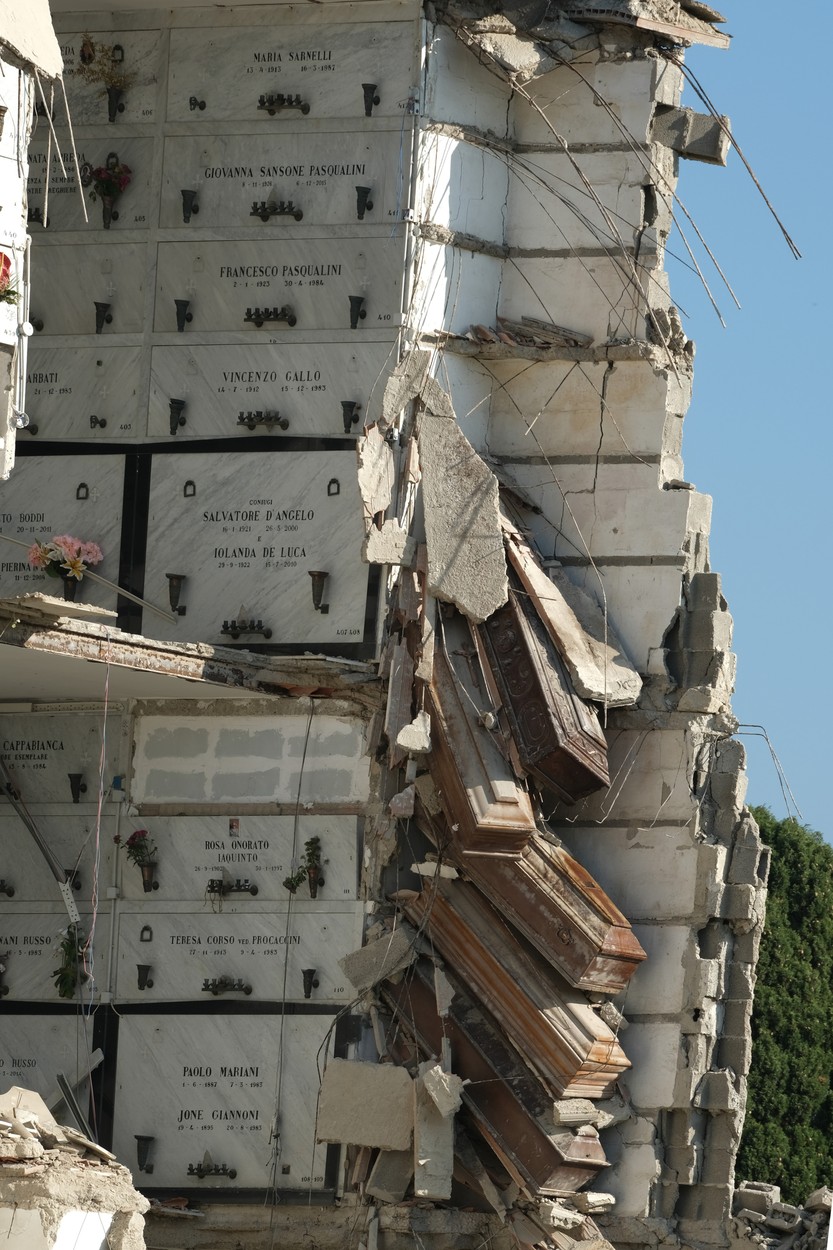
[761, 1218]
[58, 1187]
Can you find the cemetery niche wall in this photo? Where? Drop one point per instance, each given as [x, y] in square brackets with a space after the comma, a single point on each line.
[398, 872]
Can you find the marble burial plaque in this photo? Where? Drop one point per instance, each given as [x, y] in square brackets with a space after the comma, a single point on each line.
[34, 1049]
[73, 841]
[250, 759]
[41, 750]
[248, 390]
[291, 287]
[246, 532]
[218, 860]
[210, 955]
[76, 495]
[91, 392]
[312, 177]
[131, 209]
[213, 1086]
[120, 79]
[31, 944]
[322, 69]
[68, 282]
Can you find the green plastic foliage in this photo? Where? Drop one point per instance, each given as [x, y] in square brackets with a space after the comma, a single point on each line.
[788, 1134]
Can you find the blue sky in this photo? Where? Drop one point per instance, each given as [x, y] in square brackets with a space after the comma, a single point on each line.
[757, 436]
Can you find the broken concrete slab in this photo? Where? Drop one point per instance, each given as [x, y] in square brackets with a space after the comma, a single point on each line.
[389, 545]
[696, 136]
[416, 737]
[376, 473]
[391, 1175]
[433, 1143]
[594, 656]
[380, 958]
[466, 563]
[366, 1104]
[444, 1088]
[402, 804]
[431, 868]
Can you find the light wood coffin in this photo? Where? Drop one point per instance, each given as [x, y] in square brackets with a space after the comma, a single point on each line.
[562, 911]
[478, 790]
[557, 734]
[551, 1024]
[508, 1103]
[550, 898]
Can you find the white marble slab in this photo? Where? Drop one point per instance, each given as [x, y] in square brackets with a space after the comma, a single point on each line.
[34, 1049]
[209, 1083]
[68, 281]
[247, 538]
[229, 70]
[73, 840]
[318, 173]
[31, 943]
[313, 278]
[66, 387]
[132, 209]
[40, 749]
[306, 384]
[138, 72]
[249, 759]
[264, 952]
[262, 851]
[77, 495]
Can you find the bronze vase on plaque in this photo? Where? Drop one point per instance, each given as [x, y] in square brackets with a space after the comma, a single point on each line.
[314, 879]
[70, 584]
[148, 875]
[107, 214]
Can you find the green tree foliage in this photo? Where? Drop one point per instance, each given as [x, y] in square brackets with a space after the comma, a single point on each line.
[788, 1135]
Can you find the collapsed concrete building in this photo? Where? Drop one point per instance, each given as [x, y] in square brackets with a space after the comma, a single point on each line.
[404, 679]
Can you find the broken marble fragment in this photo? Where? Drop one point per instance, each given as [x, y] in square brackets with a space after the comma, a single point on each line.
[466, 563]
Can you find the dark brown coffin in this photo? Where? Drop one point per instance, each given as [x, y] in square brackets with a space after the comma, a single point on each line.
[510, 1107]
[550, 1023]
[557, 733]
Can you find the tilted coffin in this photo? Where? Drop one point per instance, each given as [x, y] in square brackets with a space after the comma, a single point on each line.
[478, 790]
[557, 733]
[510, 1106]
[563, 912]
[551, 1024]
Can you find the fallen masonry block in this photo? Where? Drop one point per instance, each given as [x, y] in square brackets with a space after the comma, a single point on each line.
[433, 1143]
[820, 1200]
[391, 1175]
[381, 958]
[784, 1217]
[444, 1088]
[366, 1104]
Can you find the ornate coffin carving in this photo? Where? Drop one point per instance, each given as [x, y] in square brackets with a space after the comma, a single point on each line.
[550, 1023]
[557, 733]
[509, 1104]
[478, 790]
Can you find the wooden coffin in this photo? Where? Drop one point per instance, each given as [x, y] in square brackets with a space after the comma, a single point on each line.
[563, 912]
[557, 734]
[478, 790]
[508, 1103]
[550, 898]
[549, 1022]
